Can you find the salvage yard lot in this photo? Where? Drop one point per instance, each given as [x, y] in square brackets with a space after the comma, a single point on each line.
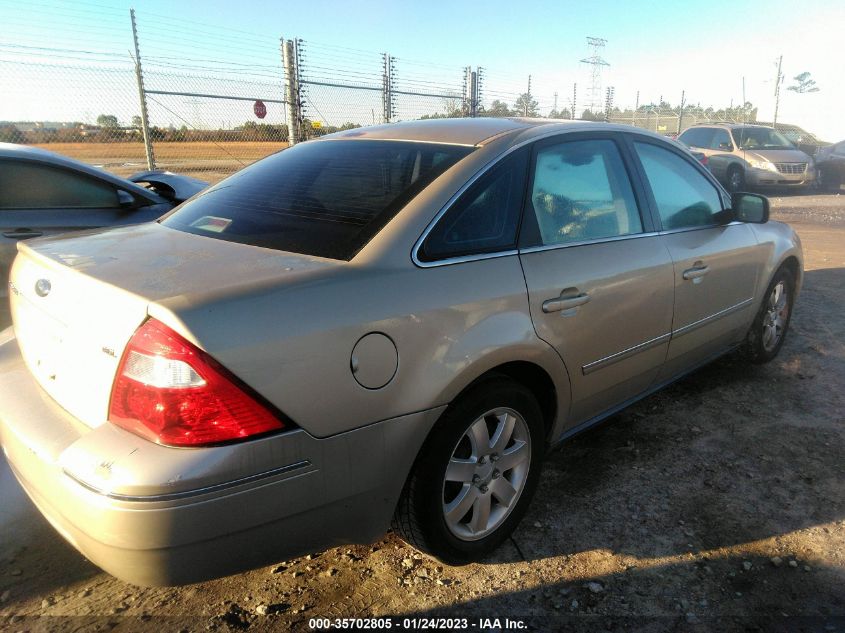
[716, 504]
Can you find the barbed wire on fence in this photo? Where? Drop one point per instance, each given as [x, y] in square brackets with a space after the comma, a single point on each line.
[217, 98]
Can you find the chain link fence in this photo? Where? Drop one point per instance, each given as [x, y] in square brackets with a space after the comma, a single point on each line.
[125, 93]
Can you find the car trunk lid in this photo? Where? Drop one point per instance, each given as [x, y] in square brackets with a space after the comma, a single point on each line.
[77, 299]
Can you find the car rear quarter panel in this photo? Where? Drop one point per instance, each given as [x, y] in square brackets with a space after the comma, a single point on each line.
[294, 345]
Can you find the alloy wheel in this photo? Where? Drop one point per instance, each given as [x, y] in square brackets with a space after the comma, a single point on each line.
[776, 316]
[486, 474]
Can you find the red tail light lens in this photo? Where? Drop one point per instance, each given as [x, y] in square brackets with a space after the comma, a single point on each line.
[171, 392]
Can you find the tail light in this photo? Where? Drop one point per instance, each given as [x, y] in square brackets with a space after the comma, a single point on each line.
[704, 160]
[171, 392]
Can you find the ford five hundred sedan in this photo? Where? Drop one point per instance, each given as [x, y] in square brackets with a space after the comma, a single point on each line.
[387, 326]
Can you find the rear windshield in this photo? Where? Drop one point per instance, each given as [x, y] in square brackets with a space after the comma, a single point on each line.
[324, 198]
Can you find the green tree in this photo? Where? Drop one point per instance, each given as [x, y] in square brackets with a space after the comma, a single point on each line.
[136, 121]
[10, 134]
[526, 105]
[107, 120]
[498, 108]
[804, 84]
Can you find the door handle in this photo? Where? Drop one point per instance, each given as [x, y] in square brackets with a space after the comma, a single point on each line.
[562, 304]
[19, 234]
[696, 272]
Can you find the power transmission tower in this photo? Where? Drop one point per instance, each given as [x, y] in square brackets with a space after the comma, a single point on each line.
[596, 62]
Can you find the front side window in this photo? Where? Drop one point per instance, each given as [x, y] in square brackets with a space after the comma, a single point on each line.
[485, 219]
[325, 198]
[721, 140]
[581, 191]
[684, 197]
[26, 185]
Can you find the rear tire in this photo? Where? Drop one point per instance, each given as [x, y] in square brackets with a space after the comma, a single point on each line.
[474, 478]
[768, 332]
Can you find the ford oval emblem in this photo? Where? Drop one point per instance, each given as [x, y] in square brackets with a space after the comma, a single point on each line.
[42, 287]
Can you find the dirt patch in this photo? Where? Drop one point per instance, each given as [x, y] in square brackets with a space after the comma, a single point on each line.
[717, 504]
[210, 161]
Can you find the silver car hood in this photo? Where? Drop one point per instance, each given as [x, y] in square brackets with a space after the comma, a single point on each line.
[778, 155]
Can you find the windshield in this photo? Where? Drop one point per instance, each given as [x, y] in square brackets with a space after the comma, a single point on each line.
[324, 198]
[760, 138]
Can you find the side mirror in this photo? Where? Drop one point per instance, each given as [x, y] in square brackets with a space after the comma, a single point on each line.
[126, 200]
[750, 207]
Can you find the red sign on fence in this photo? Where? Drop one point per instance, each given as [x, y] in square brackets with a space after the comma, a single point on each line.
[260, 109]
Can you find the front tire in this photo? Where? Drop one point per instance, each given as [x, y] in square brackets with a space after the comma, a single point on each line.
[769, 329]
[474, 478]
[736, 178]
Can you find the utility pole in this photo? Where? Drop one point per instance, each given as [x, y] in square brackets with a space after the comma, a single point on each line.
[142, 96]
[574, 98]
[636, 108]
[473, 93]
[778, 80]
[291, 91]
[555, 108]
[681, 113]
[387, 88]
[528, 96]
[608, 103]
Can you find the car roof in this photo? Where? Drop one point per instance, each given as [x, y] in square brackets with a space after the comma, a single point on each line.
[729, 126]
[476, 131]
[37, 154]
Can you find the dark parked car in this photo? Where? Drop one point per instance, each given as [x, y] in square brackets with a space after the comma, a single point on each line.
[43, 193]
[830, 162]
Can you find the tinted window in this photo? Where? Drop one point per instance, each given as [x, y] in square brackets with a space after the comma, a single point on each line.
[581, 192]
[684, 197]
[325, 198]
[485, 218]
[25, 185]
[721, 140]
[697, 137]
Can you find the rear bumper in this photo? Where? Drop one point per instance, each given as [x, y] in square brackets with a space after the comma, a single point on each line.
[153, 515]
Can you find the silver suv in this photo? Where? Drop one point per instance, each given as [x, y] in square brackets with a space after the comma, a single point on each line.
[750, 155]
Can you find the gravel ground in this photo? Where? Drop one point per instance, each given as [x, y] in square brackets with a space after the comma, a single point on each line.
[716, 504]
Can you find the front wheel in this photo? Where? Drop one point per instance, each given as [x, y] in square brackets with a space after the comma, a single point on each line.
[768, 331]
[475, 477]
[736, 179]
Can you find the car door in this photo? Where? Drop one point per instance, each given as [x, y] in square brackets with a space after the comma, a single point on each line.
[599, 280]
[716, 264]
[720, 155]
[38, 199]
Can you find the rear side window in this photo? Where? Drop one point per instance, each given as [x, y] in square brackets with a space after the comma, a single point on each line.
[697, 137]
[323, 198]
[684, 197]
[485, 218]
[26, 185]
